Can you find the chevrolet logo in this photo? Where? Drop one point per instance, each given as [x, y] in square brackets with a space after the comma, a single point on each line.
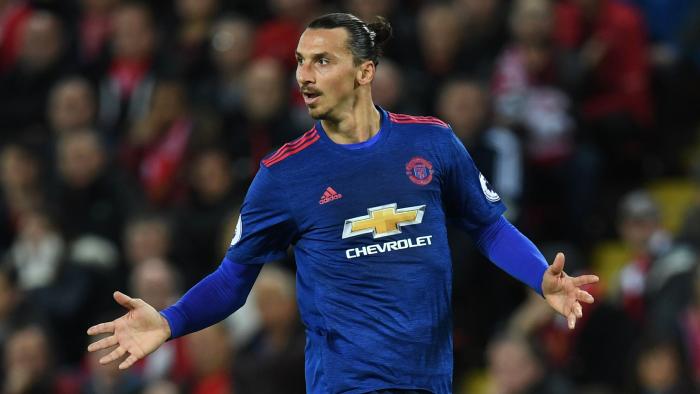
[383, 221]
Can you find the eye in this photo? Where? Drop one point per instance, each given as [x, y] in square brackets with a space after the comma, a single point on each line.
[323, 61]
[300, 61]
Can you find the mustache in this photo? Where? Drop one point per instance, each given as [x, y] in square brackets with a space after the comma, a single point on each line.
[310, 91]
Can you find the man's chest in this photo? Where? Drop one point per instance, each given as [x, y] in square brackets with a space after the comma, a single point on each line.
[377, 196]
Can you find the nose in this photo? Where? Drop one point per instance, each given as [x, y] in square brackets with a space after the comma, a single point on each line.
[304, 74]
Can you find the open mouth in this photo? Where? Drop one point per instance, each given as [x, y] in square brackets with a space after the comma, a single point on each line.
[310, 97]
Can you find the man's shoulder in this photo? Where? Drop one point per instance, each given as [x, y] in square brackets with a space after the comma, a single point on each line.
[424, 128]
[416, 120]
[421, 124]
[292, 148]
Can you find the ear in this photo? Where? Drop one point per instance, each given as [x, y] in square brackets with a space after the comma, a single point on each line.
[365, 73]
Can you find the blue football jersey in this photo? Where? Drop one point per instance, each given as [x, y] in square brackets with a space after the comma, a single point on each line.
[368, 225]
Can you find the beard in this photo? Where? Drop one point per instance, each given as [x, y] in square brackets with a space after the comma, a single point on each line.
[318, 113]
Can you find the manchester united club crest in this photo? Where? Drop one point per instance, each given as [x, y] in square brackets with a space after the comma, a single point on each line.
[419, 171]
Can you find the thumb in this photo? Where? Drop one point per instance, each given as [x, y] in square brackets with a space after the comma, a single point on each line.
[124, 300]
[558, 265]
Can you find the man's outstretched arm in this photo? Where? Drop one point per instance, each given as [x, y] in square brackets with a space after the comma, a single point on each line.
[514, 253]
[212, 299]
[143, 329]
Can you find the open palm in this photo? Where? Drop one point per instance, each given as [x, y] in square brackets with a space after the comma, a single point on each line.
[139, 332]
[564, 293]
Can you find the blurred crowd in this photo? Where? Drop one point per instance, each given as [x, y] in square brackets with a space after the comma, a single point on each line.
[130, 130]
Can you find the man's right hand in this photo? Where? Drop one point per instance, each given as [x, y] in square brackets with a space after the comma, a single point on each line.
[139, 332]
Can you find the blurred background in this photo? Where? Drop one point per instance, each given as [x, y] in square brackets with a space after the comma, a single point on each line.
[129, 132]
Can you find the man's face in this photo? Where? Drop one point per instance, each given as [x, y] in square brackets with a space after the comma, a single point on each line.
[232, 44]
[265, 89]
[42, 43]
[463, 105]
[326, 72]
[71, 107]
[133, 37]
[80, 160]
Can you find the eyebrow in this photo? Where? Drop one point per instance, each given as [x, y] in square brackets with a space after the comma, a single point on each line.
[315, 55]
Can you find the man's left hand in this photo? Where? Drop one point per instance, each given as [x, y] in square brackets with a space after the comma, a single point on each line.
[563, 292]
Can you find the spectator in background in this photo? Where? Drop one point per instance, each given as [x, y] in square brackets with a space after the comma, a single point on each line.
[390, 90]
[653, 287]
[126, 82]
[59, 290]
[465, 106]
[188, 42]
[273, 362]
[146, 236]
[41, 60]
[524, 85]
[485, 30]
[90, 197]
[37, 252]
[608, 71]
[613, 55]
[72, 106]
[265, 121]
[439, 41]
[156, 282]
[29, 364]
[516, 367]
[387, 89]
[659, 368]
[230, 51]
[155, 149]
[212, 360]
[20, 189]
[527, 98]
[200, 219]
[94, 30]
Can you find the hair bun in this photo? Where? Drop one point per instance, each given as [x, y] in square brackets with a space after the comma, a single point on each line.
[382, 29]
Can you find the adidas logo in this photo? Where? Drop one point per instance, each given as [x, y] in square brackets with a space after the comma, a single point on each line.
[329, 195]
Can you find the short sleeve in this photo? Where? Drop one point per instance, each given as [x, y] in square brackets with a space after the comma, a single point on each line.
[469, 198]
[265, 227]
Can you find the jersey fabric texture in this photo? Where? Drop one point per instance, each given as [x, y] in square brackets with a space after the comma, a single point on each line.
[368, 225]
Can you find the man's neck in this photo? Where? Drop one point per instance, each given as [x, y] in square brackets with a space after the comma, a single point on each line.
[356, 125]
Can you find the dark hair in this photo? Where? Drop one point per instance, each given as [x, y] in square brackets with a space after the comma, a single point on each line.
[366, 41]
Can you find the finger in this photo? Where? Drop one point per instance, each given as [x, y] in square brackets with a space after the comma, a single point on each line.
[584, 296]
[128, 362]
[103, 343]
[115, 354]
[102, 328]
[558, 265]
[578, 310]
[571, 315]
[571, 318]
[124, 300]
[585, 280]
